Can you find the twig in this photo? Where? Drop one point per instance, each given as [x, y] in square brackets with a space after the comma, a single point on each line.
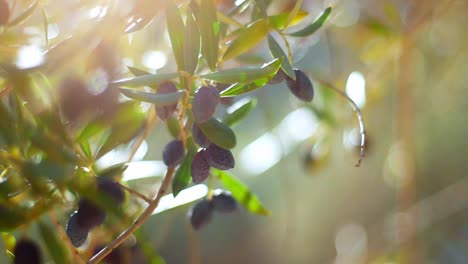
[136, 193]
[362, 128]
[138, 222]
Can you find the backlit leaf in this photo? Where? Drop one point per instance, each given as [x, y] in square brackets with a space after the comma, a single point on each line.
[316, 25]
[218, 133]
[278, 53]
[146, 80]
[245, 74]
[239, 113]
[241, 192]
[248, 38]
[157, 99]
[191, 44]
[129, 121]
[209, 30]
[183, 175]
[279, 21]
[176, 30]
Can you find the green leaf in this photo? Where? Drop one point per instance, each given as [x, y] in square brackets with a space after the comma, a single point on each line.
[86, 149]
[137, 72]
[176, 29]
[241, 192]
[293, 12]
[312, 28]
[191, 45]
[278, 53]
[113, 171]
[173, 126]
[146, 80]
[280, 21]
[129, 121]
[239, 113]
[245, 74]
[24, 16]
[183, 175]
[239, 88]
[248, 38]
[218, 133]
[54, 243]
[157, 99]
[209, 30]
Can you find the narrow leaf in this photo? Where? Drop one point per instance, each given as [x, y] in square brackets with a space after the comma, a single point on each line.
[312, 28]
[294, 11]
[218, 133]
[278, 53]
[209, 30]
[241, 193]
[191, 45]
[183, 175]
[280, 21]
[86, 149]
[248, 38]
[145, 80]
[54, 243]
[176, 29]
[245, 74]
[157, 99]
[238, 88]
[137, 72]
[24, 16]
[239, 113]
[128, 123]
[113, 171]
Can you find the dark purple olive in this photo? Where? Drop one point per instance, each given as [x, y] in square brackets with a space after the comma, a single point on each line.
[200, 167]
[27, 252]
[164, 112]
[200, 214]
[223, 201]
[219, 158]
[89, 214]
[199, 137]
[204, 103]
[75, 232]
[302, 87]
[112, 189]
[173, 153]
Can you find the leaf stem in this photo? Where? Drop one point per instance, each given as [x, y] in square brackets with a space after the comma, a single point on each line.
[138, 222]
[362, 128]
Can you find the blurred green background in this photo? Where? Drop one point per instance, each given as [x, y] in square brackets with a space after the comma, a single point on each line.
[405, 62]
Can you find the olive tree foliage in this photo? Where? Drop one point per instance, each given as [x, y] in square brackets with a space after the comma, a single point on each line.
[63, 111]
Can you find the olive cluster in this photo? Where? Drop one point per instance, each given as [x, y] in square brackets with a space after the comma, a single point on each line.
[27, 252]
[202, 213]
[89, 214]
[210, 155]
